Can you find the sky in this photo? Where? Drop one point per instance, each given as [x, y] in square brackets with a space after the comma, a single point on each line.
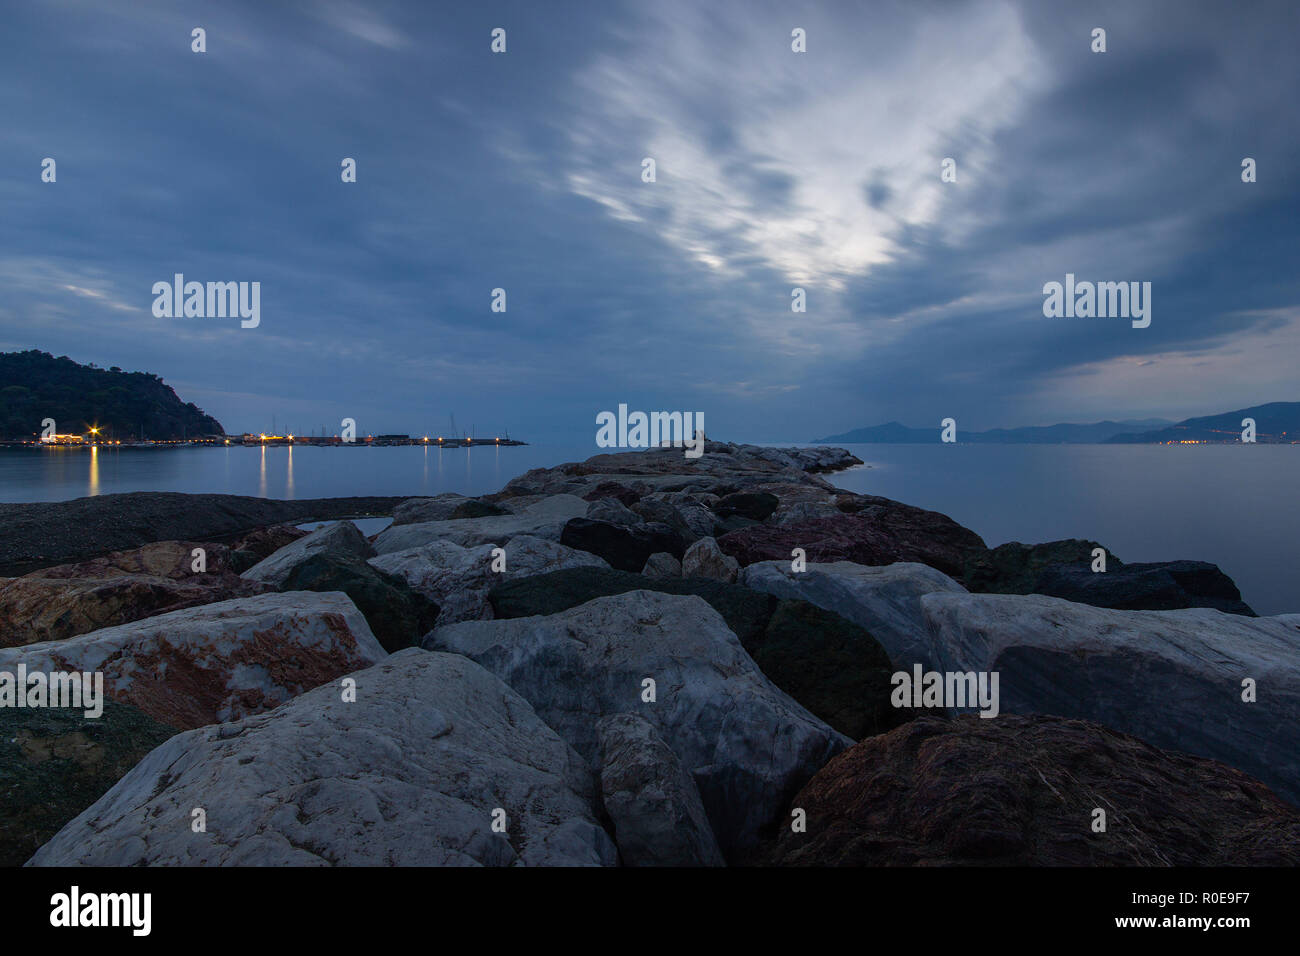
[774, 169]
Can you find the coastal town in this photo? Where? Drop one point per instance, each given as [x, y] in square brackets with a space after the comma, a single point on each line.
[94, 439]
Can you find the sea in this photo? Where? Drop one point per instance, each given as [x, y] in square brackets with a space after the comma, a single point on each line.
[1234, 505]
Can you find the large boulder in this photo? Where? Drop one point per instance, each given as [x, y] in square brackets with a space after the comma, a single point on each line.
[885, 600]
[543, 518]
[261, 544]
[54, 763]
[341, 539]
[71, 599]
[1163, 586]
[1024, 791]
[398, 616]
[458, 579]
[755, 505]
[1173, 678]
[624, 548]
[410, 773]
[748, 745]
[880, 531]
[1014, 568]
[828, 664]
[218, 662]
[652, 803]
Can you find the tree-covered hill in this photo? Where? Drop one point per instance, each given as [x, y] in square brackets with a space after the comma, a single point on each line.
[124, 405]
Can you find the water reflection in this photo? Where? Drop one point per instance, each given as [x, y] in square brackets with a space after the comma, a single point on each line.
[289, 480]
[261, 478]
[94, 470]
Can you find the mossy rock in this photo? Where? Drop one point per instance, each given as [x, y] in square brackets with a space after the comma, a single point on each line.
[55, 762]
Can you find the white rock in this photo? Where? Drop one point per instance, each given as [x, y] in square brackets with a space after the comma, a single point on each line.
[1173, 678]
[542, 519]
[437, 508]
[885, 600]
[407, 775]
[217, 662]
[458, 579]
[748, 745]
[340, 538]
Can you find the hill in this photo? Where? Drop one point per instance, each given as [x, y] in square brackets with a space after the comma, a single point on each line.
[894, 433]
[1274, 423]
[124, 405]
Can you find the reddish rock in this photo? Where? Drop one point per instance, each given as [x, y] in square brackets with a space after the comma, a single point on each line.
[61, 602]
[1021, 791]
[881, 532]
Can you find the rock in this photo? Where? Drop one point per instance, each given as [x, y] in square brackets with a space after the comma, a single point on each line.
[341, 539]
[662, 565]
[626, 549]
[682, 520]
[1014, 568]
[474, 508]
[746, 612]
[397, 615]
[881, 532]
[218, 662]
[757, 506]
[614, 512]
[1173, 678]
[458, 579]
[746, 743]
[72, 599]
[264, 542]
[831, 666]
[623, 494]
[704, 560]
[407, 775]
[802, 511]
[54, 763]
[653, 804]
[1165, 586]
[418, 510]
[544, 518]
[1021, 791]
[885, 600]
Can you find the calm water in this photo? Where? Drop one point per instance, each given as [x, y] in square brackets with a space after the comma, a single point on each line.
[1231, 504]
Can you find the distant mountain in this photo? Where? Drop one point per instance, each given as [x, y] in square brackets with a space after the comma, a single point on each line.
[1275, 422]
[894, 433]
[124, 405]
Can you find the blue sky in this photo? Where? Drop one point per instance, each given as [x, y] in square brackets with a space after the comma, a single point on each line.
[774, 169]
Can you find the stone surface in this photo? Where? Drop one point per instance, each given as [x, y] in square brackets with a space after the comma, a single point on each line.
[1021, 791]
[1014, 568]
[72, 599]
[831, 666]
[342, 540]
[436, 508]
[1164, 586]
[880, 531]
[662, 565]
[54, 763]
[218, 662]
[407, 775]
[748, 745]
[398, 616]
[458, 579]
[652, 803]
[543, 518]
[885, 600]
[1173, 678]
[703, 559]
[626, 549]
[261, 544]
[615, 512]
